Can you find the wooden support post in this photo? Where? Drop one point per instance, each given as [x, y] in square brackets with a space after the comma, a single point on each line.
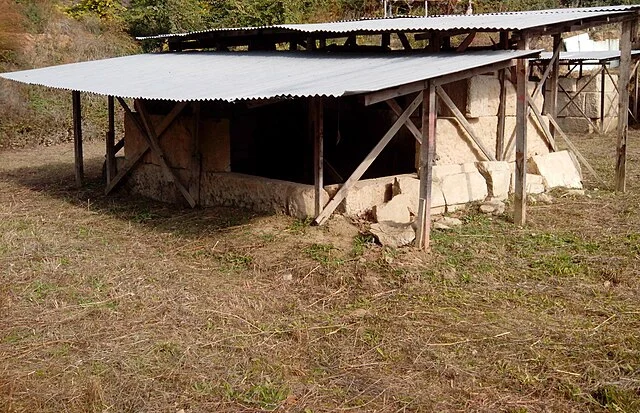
[77, 138]
[196, 154]
[427, 154]
[553, 82]
[636, 83]
[623, 104]
[316, 119]
[385, 40]
[522, 68]
[110, 160]
[603, 85]
[502, 108]
[362, 168]
[404, 40]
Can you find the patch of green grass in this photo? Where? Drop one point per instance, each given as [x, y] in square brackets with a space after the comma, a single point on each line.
[267, 396]
[360, 244]
[235, 261]
[323, 253]
[560, 264]
[39, 290]
[299, 226]
[616, 399]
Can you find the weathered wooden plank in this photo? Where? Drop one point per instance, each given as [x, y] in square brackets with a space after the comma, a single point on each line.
[77, 138]
[623, 106]
[395, 107]
[133, 160]
[522, 70]
[464, 123]
[110, 157]
[362, 168]
[427, 155]
[551, 142]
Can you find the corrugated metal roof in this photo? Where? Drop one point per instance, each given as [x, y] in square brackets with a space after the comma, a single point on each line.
[491, 21]
[603, 55]
[234, 76]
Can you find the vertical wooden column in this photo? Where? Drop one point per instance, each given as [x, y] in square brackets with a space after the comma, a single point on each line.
[77, 137]
[110, 161]
[427, 154]
[196, 154]
[603, 86]
[502, 109]
[316, 120]
[552, 104]
[623, 105]
[636, 95]
[385, 40]
[522, 69]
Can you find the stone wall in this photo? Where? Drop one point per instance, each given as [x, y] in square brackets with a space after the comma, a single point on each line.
[571, 119]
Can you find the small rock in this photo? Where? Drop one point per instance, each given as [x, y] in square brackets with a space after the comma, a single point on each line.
[391, 235]
[545, 198]
[450, 222]
[531, 200]
[575, 192]
[494, 207]
[287, 276]
[607, 284]
[441, 226]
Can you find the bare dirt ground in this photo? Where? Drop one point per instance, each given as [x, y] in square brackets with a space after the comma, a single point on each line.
[120, 304]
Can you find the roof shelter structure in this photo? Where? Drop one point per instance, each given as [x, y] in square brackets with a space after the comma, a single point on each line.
[263, 75]
[601, 60]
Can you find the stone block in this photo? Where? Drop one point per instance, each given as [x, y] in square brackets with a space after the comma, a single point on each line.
[364, 195]
[575, 125]
[395, 211]
[569, 84]
[498, 177]
[592, 105]
[536, 141]
[259, 194]
[593, 86]
[454, 146]
[512, 97]
[535, 184]
[570, 109]
[394, 236]
[558, 169]
[410, 187]
[483, 96]
[463, 188]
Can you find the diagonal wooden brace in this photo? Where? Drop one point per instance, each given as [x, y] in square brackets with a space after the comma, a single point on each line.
[395, 107]
[362, 168]
[134, 159]
[149, 133]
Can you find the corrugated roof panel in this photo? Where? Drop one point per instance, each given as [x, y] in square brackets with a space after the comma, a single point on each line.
[600, 55]
[491, 21]
[235, 76]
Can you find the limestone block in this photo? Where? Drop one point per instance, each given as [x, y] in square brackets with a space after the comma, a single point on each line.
[592, 105]
[536, 141]
[512, 97]
[535, 184]
[569, 84]
[483, 96]
[575, 125]
[457, 91]
[259, 194]
[394, 236]
[498, 177]
[395, 211]
[148, 180]
[557, 169]
[570, 109]
[463, 188]
[454, 146]
[364, 195]
[440, 171]
[593, 86]
[410, 187]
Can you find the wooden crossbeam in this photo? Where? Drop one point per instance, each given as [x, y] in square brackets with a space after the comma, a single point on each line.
[362, 168]
[502, 114]
[584, 115]
[464, 122]
[395, 107]
[152, 141]
[551, 142]
[580, 91]
[135, 158]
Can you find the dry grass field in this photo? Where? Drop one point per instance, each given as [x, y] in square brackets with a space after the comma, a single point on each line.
[120, 304]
